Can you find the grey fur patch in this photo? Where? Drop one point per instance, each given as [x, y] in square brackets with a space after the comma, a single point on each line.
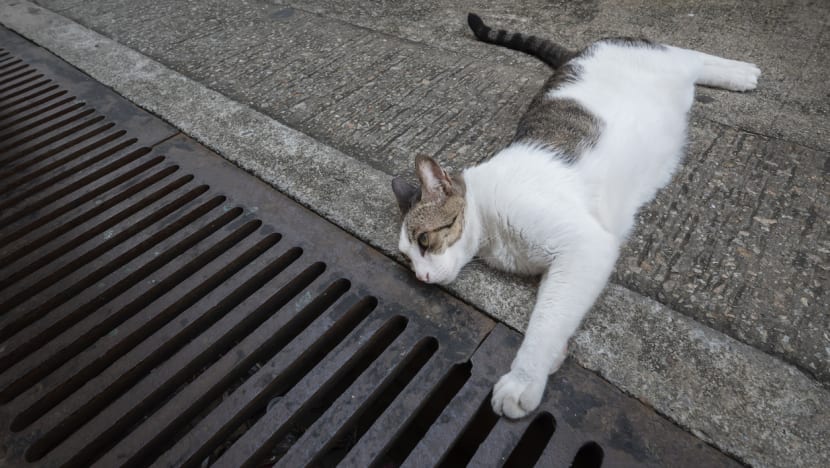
[562, 124]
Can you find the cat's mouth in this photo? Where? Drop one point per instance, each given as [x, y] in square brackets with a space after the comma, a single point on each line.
[435, 278]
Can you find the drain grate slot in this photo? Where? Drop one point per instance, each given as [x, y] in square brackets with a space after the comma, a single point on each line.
[5, 86]
[283, 439]
[44, 104]
[28, 176]
[119, 386]
[169, 196]
[8, 61]
[185, 419]
[18, 138]
[73, 185]
[22, 97]
[12, 67]
[533, 442]
[430, 409]
[15, 75]
[245, 412]
[30, 101]
[589, 456]
[48, 329]
[11, 131]
[351, 432]
[122, 259]
[462, 451]
[13, 91]
[76, 206]
[133, 335]
[161, 307]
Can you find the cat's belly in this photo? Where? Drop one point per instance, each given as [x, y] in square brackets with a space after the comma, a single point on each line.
[513, 259]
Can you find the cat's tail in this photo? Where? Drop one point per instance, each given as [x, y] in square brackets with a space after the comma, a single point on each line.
[552, 54]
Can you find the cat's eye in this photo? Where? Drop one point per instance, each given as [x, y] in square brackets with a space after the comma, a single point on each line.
[423, 240]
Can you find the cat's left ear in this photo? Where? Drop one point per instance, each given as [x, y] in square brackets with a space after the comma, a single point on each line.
[406, 194]
[435, 182]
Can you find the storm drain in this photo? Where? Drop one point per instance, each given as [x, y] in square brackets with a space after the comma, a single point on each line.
[160, 307]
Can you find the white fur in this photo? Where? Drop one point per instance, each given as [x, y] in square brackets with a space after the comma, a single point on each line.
[528, 212]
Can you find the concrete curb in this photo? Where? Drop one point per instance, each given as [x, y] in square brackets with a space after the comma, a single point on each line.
[743, 401]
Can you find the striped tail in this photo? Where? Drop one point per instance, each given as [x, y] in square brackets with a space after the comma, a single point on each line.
[552, 54]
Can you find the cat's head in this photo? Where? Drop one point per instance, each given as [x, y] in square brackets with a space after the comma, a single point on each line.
[433, 222]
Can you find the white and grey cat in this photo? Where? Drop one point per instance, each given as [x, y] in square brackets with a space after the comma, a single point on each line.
[604, 133]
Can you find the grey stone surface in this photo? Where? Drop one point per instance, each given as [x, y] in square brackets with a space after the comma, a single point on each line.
[656, 351]
[368, 94]
[744, 401]
[739, 240]
[788, 39]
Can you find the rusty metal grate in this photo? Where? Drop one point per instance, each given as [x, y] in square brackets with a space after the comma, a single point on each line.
[160, 307]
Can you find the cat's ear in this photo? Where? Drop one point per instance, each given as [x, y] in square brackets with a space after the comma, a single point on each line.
[435, 182]
[406, 194]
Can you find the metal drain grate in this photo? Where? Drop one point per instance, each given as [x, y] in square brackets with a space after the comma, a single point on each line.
[161, 307]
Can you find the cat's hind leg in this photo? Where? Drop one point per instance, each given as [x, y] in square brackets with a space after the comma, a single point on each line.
[727, 74]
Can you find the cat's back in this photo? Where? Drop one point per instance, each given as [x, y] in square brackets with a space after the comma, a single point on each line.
[639, 93]
[603, 134]
[620, 79]
[619, 90]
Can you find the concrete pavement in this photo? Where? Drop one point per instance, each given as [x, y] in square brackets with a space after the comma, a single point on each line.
[723, 284]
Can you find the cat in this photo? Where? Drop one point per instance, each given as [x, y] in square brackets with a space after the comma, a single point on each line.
[601, 137]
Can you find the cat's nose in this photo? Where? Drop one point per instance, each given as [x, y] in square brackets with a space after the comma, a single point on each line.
[423, 277]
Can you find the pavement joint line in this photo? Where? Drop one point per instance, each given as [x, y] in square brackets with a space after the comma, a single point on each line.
[759, 134]
[743, 401]
[388, 36]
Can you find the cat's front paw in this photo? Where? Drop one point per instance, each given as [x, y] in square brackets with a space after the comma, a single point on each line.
[517, 393]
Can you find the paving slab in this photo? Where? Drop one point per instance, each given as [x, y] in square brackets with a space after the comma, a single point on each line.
[696, 374]
[368, 94]
[739, 240]
[788, 39]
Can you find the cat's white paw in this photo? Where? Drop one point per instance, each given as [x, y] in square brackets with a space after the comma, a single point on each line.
[745, 76]
[517, 393]
[738, 76]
